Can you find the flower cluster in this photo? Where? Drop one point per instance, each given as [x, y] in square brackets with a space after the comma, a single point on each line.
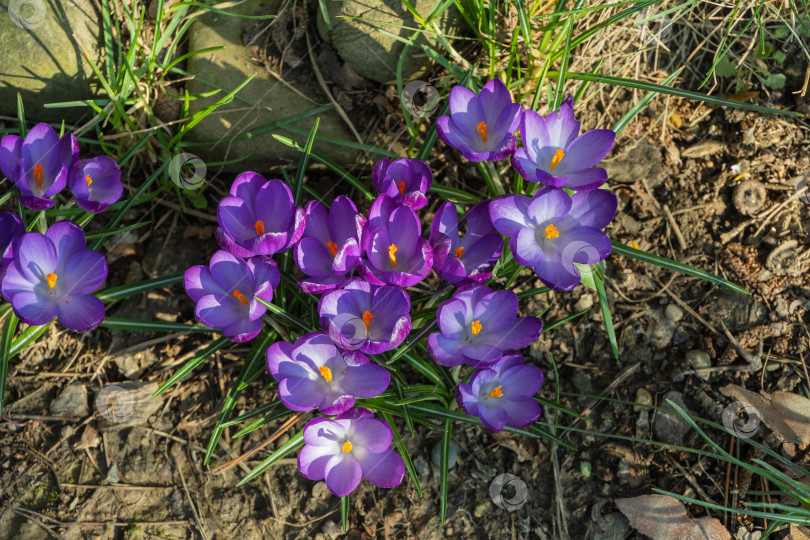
[362, 264]
[51, 274]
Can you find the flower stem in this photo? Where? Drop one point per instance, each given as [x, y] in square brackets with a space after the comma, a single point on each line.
[491, 177]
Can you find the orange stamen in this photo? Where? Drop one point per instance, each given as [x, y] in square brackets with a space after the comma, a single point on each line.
[367, 316]
[482, 130]
[332, 247]
[51, 280]
[551, 232]
[476, 327]
[241, 297]
[459, 252]
[558, 155]
[496, 392]
[326, 373]
[392, 249]
[38, 175]
[347, 446]
[259, 226]
[88, 179]
[401, 187]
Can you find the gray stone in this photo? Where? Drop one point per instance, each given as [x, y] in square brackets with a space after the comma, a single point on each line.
[71, 402]
[663, 331]
[372, 53]
[132, 365]
[126, 404]
[421, 466]
[669, 427]
[674, 313]
[698, 359]
[44, 63]
[436, 456]
[260, 104]
[613, 526]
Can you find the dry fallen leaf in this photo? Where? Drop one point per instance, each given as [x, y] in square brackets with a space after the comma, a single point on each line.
[798, 533]
[663, 517]
[787, 414]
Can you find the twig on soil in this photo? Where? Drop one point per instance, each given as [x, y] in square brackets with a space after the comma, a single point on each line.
[133, 487]
[191, 503]
[687, 308]
[675, 228]
[279, 432]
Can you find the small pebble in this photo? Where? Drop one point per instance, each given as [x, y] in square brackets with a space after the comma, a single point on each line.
[421, 466]
[674, 313]
[586, 468]
[698, 359]
[112, 474]
[773, 366]
[482, 509]
[437, 455]
[643, 400]
[585, 302]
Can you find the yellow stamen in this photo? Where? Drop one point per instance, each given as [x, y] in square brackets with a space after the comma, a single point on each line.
[332, 247]
[38, 175]
[459, 252]
[347, 446]
[558, 155]
[476, 327]
[482, 130]
[88, 179]
[551, 232]
[367, 316]
[259, 226]
[401, 187]
[496, 392]
[51, 280]
[326, 373]
[392, 249]
[241, 297]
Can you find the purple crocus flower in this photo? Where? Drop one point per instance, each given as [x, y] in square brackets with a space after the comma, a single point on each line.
[313, 373]
[553, 230]
[11, 228]
[478, 325]
[467, 259]
[259, 217]
[397, 253]
[96, 183]
[556, 155]
[366, 318]
[331, 245]
[406, 180]
[502, 394]
[344, 450]
[483, 126]
[53, 275]
[38, 165]
[226, 293]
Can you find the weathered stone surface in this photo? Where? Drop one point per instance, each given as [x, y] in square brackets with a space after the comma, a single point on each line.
[42, 60]
[370, 52]
[71, 402]
[263, 102]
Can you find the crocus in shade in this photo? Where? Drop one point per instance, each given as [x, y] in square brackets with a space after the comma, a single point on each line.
[366, 318]
[259, 217]
[313, 373]
[11, 228]
[38, 165]
[406, 180]
[96, 183]
[330, 248]
[53, 275]
[501, 395]
[344, 450]
[478, 325]
[482, 127]
[553, 230]
[396, 252]
[555, 154]
[226, 293]
[466, 259]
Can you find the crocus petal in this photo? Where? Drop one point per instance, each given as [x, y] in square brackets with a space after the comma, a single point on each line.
[482, 355]
[445, 351]
[9, 154]
[525, 248]
[81, 313]
[67, 237]
[534, 134]
[588, 149]
[496, 310]
[593, 208]
[198, 283]
[300, 394]
[312, 461]
[556, 275]
[243, 330]
[585, 245]
[465, 109]
[584, 180]
[36, 256]
[522, 412]
[384, 469]
[509, 214]
[492, 417]
[324, 432]
[525, 166]
[522, 332]
[562, 125]
[549, 204]
[84, 272]
[343, 474]
[219, 311]
[273, 205]
[366, 381]
[33, 309]
[372, 434]
[522, 380]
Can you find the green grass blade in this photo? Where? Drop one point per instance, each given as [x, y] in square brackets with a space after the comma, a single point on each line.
[603, 304]
[559, 91]
[669, 264]
[30, 335]
[145, 325]
[624, 120]
[104, 233]
[293, 444]
[345, 504]
[252, 414]
[555, 324]
[282, 413]
[6, 339]
[403, 452]
[192, 364]
[302, 164]
[444, 467]
[131, 289]
[21, 115]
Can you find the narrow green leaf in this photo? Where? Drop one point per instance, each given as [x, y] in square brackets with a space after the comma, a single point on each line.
[292, 445]
[267, 407]
[624, 120]
[192, 364]
[603, 303]
[282, 413]
[302, 163]
[559, 90]
[5, 354]
[403, 451]
[144, 325]
[344, 512]
[131, 289]
[21, 115]
[669, 264]
[550, 326]
[104, 233]
[444, 467]
[30, 335]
